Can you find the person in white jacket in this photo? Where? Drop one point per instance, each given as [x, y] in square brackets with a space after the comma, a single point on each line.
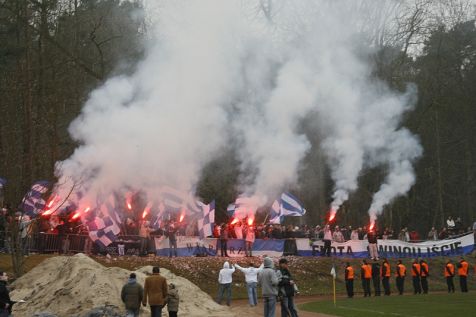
[225, 279]
[251, 278]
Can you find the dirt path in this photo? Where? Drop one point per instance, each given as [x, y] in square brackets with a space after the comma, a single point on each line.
[241, 308]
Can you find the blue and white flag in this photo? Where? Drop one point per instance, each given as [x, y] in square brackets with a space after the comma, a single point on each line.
[242, 207]
[33, 202]
[276, 216]
[291, 206]
[104, 225]
[175, 201]
[206, 224]
[286, 205]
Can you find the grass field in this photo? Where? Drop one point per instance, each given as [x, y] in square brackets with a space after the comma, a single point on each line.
[433, 305]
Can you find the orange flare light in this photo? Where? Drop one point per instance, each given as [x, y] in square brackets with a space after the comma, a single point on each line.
[51, 202]
[129, 206]
[235, 220]
[87, 209]
[146, 210]
[332, 216]
[76, 215]
[371, 227]
[47, 212]
[182, 216]
[250, 221]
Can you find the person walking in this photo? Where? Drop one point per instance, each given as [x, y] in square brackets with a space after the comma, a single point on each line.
[173, 300]
[386, 273]
[449, 275]
[463, 268]
[366, 276]
[401, 273]
[416, 272]
[251, 279]
[376, 277]
[5, 302]
[225, 278]
[155, 292]
[326, 251]
[286, 289]
[131, 295]
[268, 280]
[425, 272]
[349, 280]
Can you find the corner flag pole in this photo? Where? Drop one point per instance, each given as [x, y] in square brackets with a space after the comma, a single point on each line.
[333, 273]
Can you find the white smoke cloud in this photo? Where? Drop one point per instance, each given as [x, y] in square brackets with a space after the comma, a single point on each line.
[215, 73]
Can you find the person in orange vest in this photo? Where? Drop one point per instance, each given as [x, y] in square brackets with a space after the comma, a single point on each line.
[386, 277]
[416, 272]
[401, 273]
[366, 276]
[425, 272]
[349, 280]
[463, 269]
[449, 274]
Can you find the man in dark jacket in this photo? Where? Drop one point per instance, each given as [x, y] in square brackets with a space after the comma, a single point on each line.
[286, 290]
[224, 240]
[376, 277]
[5, 302]
[131, 296]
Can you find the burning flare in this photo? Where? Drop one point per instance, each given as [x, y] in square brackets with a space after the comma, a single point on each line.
[146, 210]
[182, 216]
[235, 220]
[250, 221]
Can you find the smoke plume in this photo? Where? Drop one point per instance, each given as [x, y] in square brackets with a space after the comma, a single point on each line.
[243, 73]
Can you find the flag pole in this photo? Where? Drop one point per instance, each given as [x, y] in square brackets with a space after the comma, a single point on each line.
[334, 284]
[266, 218]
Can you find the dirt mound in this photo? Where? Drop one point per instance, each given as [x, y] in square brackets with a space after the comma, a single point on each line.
[73, 286]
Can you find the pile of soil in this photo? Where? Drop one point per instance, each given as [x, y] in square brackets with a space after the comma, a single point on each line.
[75, 285]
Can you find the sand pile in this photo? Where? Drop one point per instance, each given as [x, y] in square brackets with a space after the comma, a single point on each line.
[72, 286]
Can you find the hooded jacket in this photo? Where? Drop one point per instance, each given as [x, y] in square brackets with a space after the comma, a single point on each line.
[268, 279]
[132, 294]
[173, 298]
[251, 273]
[225, 276]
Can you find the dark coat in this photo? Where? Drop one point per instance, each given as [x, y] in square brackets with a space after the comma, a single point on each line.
[285, 286]
[132, 295]
[5, 296]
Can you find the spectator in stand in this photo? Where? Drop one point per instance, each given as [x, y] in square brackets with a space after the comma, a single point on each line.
[337, 236]
[458, 226]
[250, 240]
[401, 235]
[372, 239]
[224, 240]
[319, 233]
[239, 230]
[450, 224]
[144, 234]
[354, 235]
[327, 241]
[433, 234]
[172, 235]
[414, 236]
[361, 233]
[443, 234]
[346, 232]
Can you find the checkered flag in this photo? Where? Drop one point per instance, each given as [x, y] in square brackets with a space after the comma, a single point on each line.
[205, 225]
[104, 227]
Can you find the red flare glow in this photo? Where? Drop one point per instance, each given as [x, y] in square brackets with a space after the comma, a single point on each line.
[250, 221]
[51, 202]
[235, 220]
[47, 212]
[144, 214]
[76, 215]
[332, 216]
[371, 227]
[129, 206]
[146, 210]
[182, 216]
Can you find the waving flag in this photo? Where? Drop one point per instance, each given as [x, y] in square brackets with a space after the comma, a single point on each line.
[291, 206]
[33, 202]
[174, 200]
[103, 224]
[205, 224]
[286, 205]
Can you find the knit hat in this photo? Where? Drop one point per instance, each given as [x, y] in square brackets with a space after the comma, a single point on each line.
[268, 262]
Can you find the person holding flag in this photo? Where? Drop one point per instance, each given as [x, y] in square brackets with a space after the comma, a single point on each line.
[449, 275]
[349, 280]
[386, 273]
[463, 268]
[425, 272]
[400, 276]
[416, 272]
[366, 276]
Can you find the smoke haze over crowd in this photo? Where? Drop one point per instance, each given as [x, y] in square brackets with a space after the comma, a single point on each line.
[221, 73]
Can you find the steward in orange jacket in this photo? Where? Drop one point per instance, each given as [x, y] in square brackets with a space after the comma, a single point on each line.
[349, 280]
[366, 276]
[449, 275]
[400, 276]
[386, 273]
[463, 269]
[424, 273]
[416, 272]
